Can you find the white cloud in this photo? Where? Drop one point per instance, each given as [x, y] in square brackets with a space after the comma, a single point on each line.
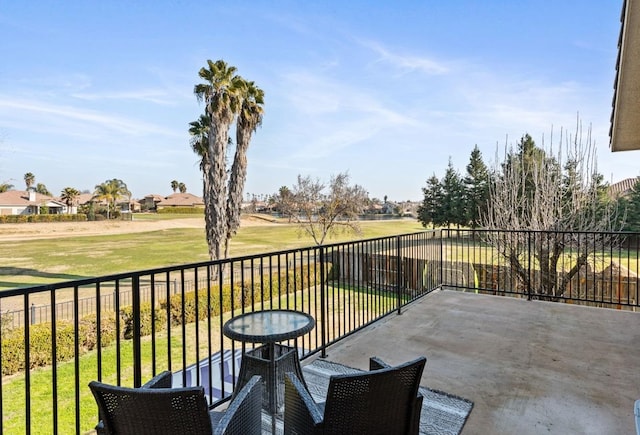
[406, 62]
[49, 117]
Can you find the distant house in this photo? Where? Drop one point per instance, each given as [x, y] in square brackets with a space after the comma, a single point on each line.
[150, 201]
[622, 188]
[21, 202]
[180, 200]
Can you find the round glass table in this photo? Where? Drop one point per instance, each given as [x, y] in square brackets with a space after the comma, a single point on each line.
[271, 360]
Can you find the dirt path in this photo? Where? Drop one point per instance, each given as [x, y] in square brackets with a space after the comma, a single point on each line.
[48, 230]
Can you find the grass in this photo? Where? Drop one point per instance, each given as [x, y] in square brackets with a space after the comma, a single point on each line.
[44, 261]
[352, 300]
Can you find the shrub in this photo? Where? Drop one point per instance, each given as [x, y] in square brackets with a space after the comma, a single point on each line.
[181, 210]
[126, 316]
[89, 330]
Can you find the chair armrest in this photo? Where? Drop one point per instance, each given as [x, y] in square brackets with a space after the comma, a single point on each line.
[244, 413]
[301, 414]
[161, 380]
[376, 363]
[414, 426]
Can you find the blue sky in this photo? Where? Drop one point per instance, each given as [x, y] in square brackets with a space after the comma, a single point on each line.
[387, 91]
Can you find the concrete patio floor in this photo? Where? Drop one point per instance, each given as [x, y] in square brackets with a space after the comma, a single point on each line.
[529, 367]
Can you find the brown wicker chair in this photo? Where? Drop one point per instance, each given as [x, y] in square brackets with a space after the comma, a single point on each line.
[157, 409]
[384, 400]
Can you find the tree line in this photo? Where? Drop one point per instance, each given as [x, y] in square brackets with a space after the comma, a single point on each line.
[530, 188]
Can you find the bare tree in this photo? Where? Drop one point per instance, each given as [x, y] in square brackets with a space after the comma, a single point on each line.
[321, 215]
[553, 207]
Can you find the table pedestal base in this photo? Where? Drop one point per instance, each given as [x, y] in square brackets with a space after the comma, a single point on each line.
[271, 361]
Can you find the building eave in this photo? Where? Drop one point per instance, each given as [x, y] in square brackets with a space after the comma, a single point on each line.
[624, 133]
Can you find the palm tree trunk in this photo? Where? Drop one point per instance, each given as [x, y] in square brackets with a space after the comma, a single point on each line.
[215, 207]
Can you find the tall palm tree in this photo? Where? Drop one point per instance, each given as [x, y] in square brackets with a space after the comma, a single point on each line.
[111, 191]
[248, 120]
[29, 179]
[69, 196]
[219, 92]
[174, 185]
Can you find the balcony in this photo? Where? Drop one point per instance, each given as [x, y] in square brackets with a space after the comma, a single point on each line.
[534, 354]
[529, 367]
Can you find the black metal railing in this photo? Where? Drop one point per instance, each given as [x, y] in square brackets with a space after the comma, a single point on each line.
[124, 328]
[587, 268]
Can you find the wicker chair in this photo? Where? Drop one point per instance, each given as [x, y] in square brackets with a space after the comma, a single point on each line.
[384, 400]
[157, 409]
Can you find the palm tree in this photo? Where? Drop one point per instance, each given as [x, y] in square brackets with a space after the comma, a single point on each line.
[174, 185]
[111, 191]
[249, 118]
[42, 189]
[69, 196]
[182, 187]
[219, 92]
[29, 179]
[4, 187]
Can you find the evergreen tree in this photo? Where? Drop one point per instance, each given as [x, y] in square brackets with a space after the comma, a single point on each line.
[428, 211]
[631, 204]
[453, 201]
[476, 184]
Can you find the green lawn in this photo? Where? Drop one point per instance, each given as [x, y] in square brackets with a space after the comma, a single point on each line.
[35, 262]
[352, 300]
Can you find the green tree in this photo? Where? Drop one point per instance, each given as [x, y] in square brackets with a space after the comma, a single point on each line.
[220, 94]
[284, 202]
[42, 189]
[4, 187]
[476, 184]
[69, 195]
[174, 185]
[111, 191]
[29, 179]
[453, 198]
[631, 206]
[429, 210]
[225, 95]
[182, 187]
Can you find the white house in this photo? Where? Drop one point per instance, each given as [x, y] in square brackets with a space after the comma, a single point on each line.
[21, 202]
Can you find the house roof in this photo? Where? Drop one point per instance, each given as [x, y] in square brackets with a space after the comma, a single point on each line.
[624, 133]
[20, 198]
[181, 200]
[622, 188]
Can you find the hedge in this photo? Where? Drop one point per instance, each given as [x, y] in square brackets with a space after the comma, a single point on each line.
[29, 218]
[181, 210]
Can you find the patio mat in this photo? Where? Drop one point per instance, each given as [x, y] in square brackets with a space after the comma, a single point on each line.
[442, 413]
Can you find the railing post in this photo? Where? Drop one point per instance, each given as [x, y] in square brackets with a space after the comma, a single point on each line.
[137, 356]
[440, 269]
[323, 335]
[399, 274]
[33, 314]
[529, 265]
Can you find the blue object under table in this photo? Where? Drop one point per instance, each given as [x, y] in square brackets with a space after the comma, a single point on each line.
[271, 360]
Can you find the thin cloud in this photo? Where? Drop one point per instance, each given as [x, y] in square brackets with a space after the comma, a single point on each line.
[84, 116]
[150, 95]
[406, 62]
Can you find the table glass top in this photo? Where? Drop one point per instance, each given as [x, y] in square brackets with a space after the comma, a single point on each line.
[265, 326]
